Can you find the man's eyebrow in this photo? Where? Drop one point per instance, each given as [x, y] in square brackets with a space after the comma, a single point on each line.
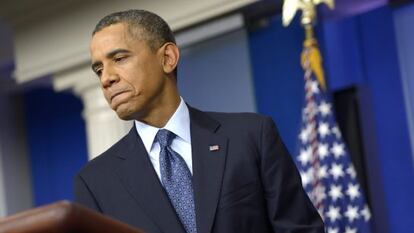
[109, 55]
[115, 52]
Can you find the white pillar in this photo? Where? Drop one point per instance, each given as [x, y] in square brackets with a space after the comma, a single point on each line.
[103, 127]
[15, 182]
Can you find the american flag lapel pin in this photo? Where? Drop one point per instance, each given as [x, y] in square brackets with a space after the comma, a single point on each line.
[214, 147]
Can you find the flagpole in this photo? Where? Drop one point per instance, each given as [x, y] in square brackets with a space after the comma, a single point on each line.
[309, 32]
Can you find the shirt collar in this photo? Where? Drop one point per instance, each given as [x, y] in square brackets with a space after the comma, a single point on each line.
[179, 124]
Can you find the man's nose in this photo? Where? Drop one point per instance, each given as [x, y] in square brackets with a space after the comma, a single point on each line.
[109, 77]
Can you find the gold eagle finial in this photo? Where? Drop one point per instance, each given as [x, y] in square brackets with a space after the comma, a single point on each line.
[312, 58]
[290, 7]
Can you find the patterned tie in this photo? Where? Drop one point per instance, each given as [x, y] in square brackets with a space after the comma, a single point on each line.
[176, 178]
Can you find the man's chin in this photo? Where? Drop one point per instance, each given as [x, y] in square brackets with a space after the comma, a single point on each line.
[125, 117]
[124, 113]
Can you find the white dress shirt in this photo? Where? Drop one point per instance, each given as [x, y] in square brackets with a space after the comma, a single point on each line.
[179, 124]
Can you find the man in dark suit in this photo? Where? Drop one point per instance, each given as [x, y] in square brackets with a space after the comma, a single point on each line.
[180, 169]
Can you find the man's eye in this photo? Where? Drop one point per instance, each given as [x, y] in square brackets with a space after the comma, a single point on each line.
[98, 72]
[118, 59]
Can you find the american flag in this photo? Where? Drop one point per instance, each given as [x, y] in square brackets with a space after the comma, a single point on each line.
[327, 172]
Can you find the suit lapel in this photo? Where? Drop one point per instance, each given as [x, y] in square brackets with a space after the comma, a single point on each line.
[140, 179]
[209, 156]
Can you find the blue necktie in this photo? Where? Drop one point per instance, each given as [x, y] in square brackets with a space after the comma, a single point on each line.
[176, 178]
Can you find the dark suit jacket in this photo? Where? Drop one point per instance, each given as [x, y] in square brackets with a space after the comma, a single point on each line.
[249, 185]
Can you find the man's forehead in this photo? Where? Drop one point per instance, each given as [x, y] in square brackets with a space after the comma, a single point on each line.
[107, 39]
[118, 33]
[112, 32]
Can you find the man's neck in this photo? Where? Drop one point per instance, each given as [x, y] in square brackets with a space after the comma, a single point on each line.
[160, 117]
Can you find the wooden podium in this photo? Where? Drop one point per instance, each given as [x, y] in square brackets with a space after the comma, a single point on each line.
[63, 217]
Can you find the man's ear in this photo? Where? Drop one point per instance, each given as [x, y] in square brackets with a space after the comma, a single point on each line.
[171, 55]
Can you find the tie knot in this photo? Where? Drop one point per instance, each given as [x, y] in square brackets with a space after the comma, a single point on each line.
[164, 137]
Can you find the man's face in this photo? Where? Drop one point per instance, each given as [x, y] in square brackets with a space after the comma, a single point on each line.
[132, 77]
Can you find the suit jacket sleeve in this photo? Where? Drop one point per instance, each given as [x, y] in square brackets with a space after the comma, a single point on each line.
[83, 195]
[289, 208]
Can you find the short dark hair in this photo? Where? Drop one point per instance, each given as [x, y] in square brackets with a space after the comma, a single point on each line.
[141, 24]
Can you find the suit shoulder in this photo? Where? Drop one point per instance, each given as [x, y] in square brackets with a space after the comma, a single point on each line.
[104, 160]
[245, 118]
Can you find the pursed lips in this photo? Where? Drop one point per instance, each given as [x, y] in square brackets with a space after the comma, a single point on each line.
[117, 93]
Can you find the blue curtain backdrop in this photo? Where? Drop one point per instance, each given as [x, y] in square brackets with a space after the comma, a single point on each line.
[278, 77]
[57, 143]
